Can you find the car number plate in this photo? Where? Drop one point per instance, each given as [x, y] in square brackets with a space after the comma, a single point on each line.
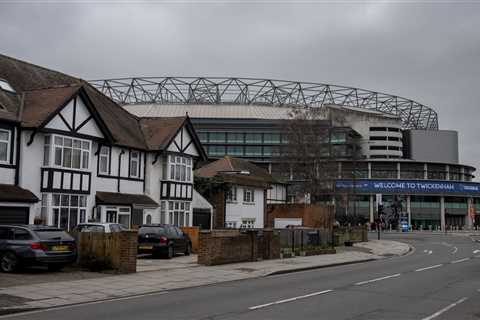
[60, 248]
[145, 247]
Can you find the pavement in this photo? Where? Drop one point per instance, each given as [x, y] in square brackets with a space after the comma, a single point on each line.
[157, 276]
[438, 280]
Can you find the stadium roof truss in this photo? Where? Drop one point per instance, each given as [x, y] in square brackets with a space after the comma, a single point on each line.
[189, 90]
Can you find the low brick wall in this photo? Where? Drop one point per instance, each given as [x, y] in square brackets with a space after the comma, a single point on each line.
[230, 246]
[193, 233]
[100, 251]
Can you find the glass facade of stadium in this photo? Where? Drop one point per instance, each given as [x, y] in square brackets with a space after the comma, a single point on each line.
[432, 194]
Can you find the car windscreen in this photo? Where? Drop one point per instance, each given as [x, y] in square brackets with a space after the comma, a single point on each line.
[49, 234]
[93, 228]
[157, 230]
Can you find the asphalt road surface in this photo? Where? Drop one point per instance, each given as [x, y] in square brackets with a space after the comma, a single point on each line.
[439, 280]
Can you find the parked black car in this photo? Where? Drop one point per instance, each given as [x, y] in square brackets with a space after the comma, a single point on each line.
[163, 239]
[30, 245]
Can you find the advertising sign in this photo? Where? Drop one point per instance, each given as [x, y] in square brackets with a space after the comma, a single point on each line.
[410, 186]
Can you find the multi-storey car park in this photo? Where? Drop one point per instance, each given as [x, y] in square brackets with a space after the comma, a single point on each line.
[404, 155]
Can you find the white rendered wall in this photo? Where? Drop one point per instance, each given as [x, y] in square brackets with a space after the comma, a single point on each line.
[235, 211]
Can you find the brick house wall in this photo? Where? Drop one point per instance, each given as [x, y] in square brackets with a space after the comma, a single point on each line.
[312, 215]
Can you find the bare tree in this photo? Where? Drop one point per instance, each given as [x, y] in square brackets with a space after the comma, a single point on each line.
[308, 154]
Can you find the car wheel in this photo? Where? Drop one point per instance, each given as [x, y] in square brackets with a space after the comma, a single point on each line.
[170, 252]
[188, 249]
[55, 267]
[8, 262]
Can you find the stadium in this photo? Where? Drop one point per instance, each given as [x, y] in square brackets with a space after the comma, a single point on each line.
[405, 158]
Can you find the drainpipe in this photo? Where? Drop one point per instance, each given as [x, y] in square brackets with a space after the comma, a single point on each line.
[119, 169]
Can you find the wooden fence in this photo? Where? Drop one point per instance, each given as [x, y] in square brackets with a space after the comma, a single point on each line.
[100, 251]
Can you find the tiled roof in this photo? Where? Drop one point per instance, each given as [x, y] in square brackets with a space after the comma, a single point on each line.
[237, 171]
[10, 193]
[158, 132]
[40, 104]
[129, 199]
[42, 92]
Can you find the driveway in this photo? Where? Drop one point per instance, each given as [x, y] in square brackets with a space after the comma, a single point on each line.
[39, 275]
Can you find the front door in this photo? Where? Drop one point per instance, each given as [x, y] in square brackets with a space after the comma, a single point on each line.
[111, 216]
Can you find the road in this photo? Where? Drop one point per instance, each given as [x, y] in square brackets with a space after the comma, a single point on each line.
[439, 280]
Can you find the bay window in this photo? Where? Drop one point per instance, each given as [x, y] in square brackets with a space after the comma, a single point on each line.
[68, 210]
[180, 168]
[179, 213]
[5, 145]
[68, 152]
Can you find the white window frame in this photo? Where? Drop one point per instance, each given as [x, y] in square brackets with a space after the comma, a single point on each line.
[132, 161]
[180, 168]
[248, 223]
[104, 157]
[179, 213]
[163, 212]
[51, 146]
[231, 224]
[57, 206]
[8, 142]
[231, 195]
[248, 195]
[119, 211]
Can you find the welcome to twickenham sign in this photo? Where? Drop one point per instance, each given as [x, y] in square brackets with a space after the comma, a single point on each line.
[409, 186]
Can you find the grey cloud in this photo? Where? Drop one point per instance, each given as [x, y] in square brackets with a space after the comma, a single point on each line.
[423, 51]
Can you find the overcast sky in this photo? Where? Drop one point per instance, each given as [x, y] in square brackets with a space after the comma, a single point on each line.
[422, 50]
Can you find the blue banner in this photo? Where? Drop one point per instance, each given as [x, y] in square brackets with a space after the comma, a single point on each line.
[410, 186]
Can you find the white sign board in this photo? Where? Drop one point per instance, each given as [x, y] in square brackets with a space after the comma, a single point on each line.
[281, 223]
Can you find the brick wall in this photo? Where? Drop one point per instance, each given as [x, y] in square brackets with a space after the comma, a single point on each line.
[312, 215]
[230, 246]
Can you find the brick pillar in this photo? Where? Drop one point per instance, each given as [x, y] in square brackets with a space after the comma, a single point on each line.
[204, 246]
[218, 201]
[127, 251]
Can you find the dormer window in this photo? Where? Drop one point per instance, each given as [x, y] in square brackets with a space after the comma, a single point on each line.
[4, 85]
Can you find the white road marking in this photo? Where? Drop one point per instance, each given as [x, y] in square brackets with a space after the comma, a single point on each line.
[476, 251]
[289, 299]
[377, 279]
[436, 314]
[428, 268]
[454, 250]
[461, 260]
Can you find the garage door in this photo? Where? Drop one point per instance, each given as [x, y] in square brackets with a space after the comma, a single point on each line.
[14, 215]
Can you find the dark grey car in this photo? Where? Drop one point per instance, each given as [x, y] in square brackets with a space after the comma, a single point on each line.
[163, 239]
[29, 245]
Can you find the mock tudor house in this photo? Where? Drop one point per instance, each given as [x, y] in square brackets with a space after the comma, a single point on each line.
[69, 154]
[238, 191]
